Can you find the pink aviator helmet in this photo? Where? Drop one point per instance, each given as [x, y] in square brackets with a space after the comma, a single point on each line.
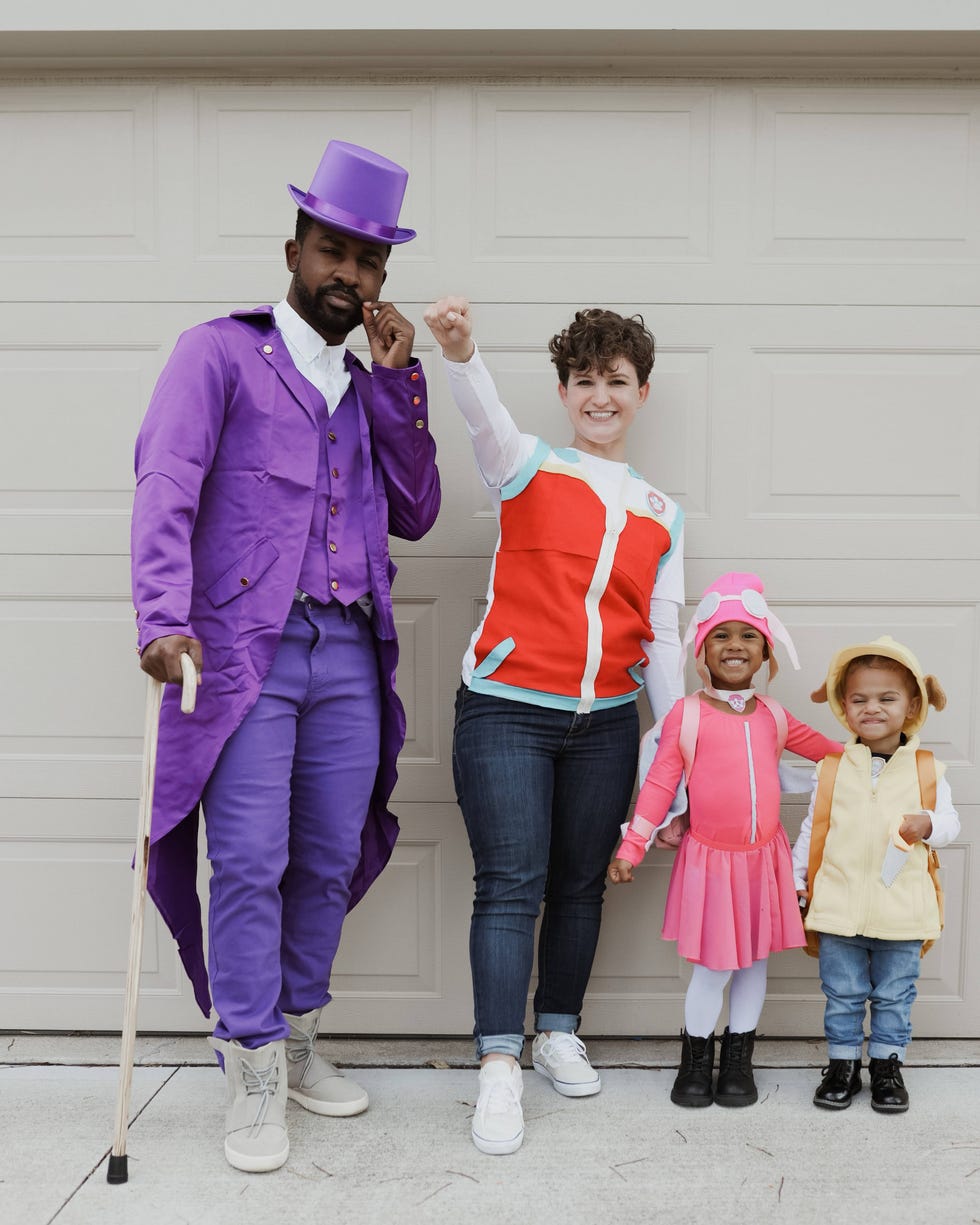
[736, 597]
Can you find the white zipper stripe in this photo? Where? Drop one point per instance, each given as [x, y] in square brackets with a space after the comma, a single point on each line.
[748, 752]
[615, 522]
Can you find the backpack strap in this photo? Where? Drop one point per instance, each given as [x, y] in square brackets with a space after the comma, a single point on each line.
[925, 764]
[690, 722]
[779, 718]
[818, 834]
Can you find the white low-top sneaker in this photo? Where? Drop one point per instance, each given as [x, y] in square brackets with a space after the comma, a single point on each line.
[498, 1123]
[562, 1058]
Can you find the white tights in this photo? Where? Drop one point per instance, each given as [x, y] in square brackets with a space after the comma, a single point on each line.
[706, 992]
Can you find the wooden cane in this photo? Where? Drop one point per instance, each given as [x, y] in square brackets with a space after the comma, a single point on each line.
[118, 1170]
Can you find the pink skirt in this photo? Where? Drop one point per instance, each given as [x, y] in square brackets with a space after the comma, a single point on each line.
[727, 909]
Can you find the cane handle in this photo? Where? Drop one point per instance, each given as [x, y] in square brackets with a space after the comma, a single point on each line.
[188, 696]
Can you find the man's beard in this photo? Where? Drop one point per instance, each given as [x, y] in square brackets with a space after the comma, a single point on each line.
[322, 315]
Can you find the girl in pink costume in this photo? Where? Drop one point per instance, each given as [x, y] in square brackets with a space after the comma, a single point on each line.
[731, 900]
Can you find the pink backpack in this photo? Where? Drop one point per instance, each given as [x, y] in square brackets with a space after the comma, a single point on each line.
[691, 721]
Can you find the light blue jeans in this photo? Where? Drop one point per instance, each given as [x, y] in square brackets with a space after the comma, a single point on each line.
[857, 970]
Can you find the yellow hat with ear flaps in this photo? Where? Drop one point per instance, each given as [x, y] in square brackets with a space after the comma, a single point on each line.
[930, 691]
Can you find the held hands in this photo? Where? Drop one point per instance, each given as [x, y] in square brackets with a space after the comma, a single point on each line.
[669, 838]
[621, 872]
[450, 324]
[389, 334]
[161, 659]
[915, 827]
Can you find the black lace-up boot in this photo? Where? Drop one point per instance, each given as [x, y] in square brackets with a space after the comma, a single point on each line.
[693, 1084]
[888, 1092]
[841, 1080]
[736, 1084]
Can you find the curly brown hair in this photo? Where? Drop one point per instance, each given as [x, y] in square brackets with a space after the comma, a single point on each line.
[596, 339]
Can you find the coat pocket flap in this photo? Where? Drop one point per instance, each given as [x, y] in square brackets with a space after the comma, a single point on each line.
[245, 573]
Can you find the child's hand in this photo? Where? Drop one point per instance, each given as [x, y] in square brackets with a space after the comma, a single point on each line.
[449, 322]
[621, 872]
[915, 827]
[670, 837]
[804, 897]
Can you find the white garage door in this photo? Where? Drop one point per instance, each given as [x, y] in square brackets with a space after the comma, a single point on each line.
[808, 258]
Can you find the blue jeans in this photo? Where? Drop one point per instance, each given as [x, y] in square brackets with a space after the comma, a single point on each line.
[543, 793]
[855, 970]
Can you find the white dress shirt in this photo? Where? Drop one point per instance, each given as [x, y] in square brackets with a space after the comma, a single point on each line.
[319, 363]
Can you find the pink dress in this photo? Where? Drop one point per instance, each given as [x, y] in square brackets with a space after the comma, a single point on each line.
[731, 899]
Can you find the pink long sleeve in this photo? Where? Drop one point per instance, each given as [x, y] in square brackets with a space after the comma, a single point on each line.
[657, 791]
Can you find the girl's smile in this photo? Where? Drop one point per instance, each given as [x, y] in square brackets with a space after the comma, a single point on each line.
[733, 654]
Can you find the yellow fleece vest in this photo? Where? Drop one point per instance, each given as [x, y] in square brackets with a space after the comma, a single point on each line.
[849, 896]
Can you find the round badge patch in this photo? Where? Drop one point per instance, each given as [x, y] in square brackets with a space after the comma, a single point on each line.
[657, 504]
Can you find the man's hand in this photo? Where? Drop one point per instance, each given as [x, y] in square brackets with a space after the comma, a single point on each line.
[450, 324]
[161, 659]
[389, 334]
[621, 872]
[915, 827]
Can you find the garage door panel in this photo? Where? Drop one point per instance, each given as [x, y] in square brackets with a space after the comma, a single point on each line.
[550, 200]
[78, 181]
[833, 182]
[403, 963]
[65, 889]
[241, 214]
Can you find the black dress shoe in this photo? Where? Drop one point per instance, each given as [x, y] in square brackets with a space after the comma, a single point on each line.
[736, 1084]
[841, 1080]
[693, 1084]
[888, 1092]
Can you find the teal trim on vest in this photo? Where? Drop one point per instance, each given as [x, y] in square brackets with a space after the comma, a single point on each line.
[494, 658]
[520, 482]
[636, 671]
[673, 532]
[568, 454]
[554, 701]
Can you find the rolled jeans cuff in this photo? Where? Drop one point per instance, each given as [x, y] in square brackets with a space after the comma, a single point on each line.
[564, 1022]
[841, 1050]
[499, 1044]
[884, 1050]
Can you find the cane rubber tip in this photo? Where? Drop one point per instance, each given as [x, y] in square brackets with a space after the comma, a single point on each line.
[118, 1170]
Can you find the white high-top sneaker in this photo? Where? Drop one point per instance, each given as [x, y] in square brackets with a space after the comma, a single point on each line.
[313, 1082]
[255, 1121]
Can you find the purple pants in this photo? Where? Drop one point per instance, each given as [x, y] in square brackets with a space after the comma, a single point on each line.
[283, 810]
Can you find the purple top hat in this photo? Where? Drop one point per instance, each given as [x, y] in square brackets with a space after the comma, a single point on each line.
[356, 192]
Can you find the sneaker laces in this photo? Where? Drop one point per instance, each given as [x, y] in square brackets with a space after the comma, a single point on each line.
[564, 1048]
[299, 1049]
[262, 1081]
[498, 1096]
[888, 1073]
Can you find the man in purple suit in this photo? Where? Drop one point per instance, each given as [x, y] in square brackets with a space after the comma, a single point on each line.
[271, 467]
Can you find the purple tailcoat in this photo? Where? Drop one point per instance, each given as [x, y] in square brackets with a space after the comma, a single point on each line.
[226, 465]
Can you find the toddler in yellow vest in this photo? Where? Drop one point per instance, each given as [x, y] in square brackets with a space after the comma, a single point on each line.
[872, 898]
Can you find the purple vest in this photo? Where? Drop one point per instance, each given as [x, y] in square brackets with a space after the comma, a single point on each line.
[335, 564]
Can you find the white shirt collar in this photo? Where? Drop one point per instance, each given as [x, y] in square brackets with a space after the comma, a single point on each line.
[307, 342]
